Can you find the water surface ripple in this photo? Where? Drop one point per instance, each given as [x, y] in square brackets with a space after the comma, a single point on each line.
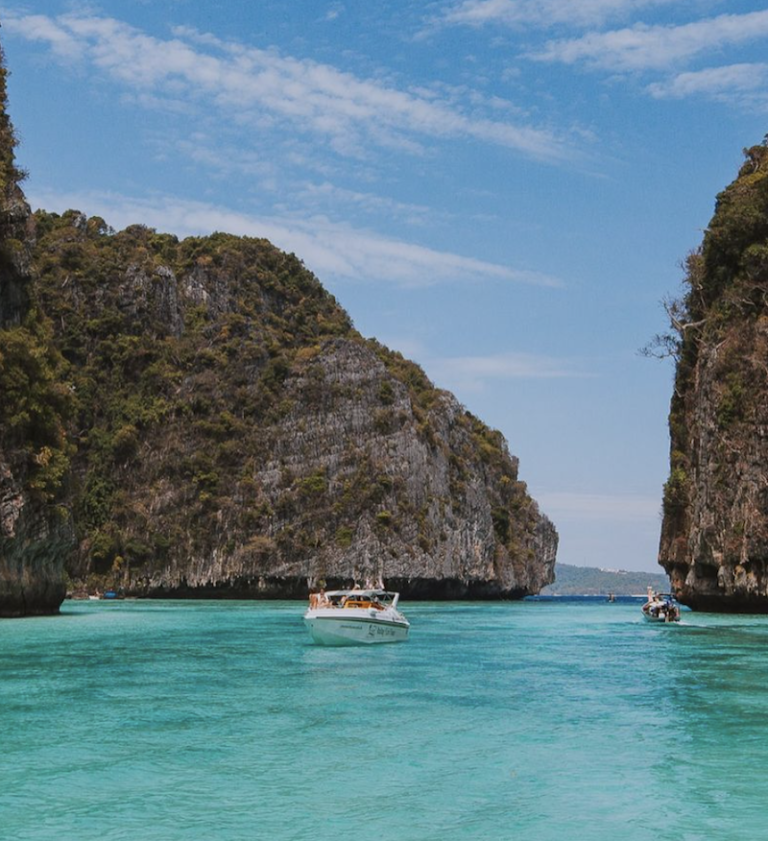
[184, 721]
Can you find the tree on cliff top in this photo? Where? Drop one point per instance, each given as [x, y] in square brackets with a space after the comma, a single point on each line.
[9, 174]
[728, 272]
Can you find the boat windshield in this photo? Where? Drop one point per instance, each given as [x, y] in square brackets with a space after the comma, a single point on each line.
[353, 598]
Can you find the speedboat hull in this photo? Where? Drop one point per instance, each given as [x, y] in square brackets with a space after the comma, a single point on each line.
[362, 629]
[662, 619]
[660, 611]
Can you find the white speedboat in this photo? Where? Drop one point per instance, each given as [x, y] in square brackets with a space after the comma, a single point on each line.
[355, 617]
[661, 607]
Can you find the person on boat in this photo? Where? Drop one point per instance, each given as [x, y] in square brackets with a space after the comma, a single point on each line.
[318, 599]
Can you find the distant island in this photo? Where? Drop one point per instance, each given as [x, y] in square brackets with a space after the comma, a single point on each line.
[589, 581]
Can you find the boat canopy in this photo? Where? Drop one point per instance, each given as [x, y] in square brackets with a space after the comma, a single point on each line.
[342, 598]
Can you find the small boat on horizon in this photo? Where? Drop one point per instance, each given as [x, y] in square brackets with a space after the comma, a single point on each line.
[355, 617]
[661, 607]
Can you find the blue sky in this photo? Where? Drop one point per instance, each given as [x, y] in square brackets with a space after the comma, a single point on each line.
[503, 190]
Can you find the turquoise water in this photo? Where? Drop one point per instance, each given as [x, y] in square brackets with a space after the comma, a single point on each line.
[179, 721]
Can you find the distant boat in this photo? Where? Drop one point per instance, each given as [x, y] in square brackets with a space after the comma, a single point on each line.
[112, 594]
[355, 617]
[661, 607]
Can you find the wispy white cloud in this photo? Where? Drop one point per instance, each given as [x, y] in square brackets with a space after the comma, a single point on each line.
[733, 80]
[335, 10]
[643, 47]
[327, 195]
[64, 44]
[474, 373]
[603, 507]
[258, 167]
[269, 88]
[511, 366]
[543, 13]
[220, 159]
[330, 249]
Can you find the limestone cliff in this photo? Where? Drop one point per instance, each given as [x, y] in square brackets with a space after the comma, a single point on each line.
[714, 542]
[34, 531]
[236, 437]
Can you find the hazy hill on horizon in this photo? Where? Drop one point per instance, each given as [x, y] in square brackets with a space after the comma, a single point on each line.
[573, 580]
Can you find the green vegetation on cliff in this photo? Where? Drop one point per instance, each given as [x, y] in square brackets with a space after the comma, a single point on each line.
[35, 396]
[199, 417]
[35, 404]
[715, 531]
[10, 175]
[169, 393]
[226, 411]
[725, 284]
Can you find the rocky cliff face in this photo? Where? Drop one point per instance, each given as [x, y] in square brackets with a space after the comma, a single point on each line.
[35, 535]
[714, 542]
[236, 437]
